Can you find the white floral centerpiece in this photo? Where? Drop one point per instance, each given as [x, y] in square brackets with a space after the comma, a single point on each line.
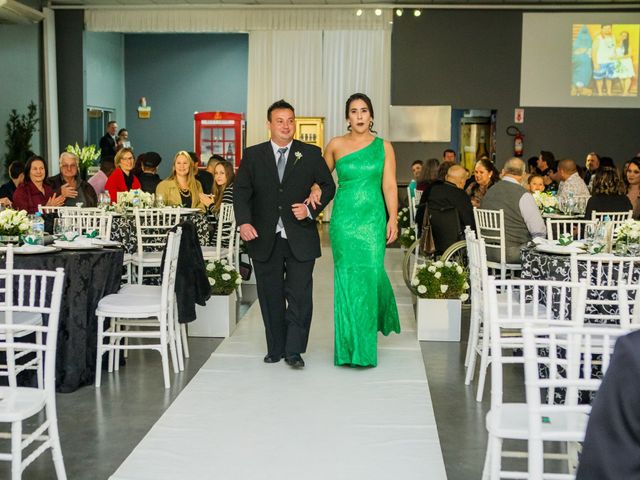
[13, 223]
[223, 278]
[135, 198]
[87, 155]
[627, 236]
[441, 280]
[547, 202]
[403, 218]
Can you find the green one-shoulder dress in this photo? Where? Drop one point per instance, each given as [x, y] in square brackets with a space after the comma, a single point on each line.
[363, 299]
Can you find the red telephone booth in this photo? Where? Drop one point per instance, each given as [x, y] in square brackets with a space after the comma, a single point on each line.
[221, 133]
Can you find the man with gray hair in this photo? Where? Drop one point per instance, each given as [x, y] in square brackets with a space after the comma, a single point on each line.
[522, 219]
[70, 185]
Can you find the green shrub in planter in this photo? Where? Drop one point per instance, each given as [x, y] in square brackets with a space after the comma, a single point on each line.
[441, 280]
[223, 278]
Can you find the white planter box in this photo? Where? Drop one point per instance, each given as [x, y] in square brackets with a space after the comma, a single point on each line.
[438, 320]
[216, 319]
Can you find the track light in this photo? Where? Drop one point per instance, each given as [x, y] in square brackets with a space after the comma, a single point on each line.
[359, 12]
[417, 13]
[399, 12]
[378, 12]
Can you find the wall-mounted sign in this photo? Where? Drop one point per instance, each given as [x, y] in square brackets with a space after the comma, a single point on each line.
[144, 111]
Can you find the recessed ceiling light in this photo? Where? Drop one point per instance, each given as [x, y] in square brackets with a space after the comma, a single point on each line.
[417, 13]
[398, 12]
[378, 12]
[359, 12]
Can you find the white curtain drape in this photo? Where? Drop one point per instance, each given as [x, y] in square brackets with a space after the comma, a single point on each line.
[356, 61]
[283, 64]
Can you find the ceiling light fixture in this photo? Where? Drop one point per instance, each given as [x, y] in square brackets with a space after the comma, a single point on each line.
[399, 12]
[417, 13]
[359, 12]
[378, 12]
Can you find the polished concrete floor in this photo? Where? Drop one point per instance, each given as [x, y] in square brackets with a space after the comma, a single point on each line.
[100, 427]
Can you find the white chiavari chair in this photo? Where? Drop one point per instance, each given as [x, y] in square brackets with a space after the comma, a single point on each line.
[30, 292]
[561, 359]
[88, 220]
[150, 314]
[556, 227]
[490, 227]
[152, 227]
[616, 217]
[505, 321]
[629, 304]
[225, 237]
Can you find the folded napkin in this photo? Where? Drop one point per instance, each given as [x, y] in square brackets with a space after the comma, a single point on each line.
[27, 247]
[92, 234]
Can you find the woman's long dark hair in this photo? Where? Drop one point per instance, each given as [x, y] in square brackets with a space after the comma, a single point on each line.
[365, 99]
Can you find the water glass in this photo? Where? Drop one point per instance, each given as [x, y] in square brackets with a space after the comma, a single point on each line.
[58, 228]
[589, 233]
[159, 200]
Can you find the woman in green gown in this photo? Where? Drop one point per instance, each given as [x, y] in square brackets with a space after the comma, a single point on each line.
[363, 299]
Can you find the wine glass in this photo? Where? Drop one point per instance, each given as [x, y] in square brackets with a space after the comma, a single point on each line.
[159, 200]
[589, 233]
[58, 227]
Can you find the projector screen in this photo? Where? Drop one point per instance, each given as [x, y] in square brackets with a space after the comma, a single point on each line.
[580, 60]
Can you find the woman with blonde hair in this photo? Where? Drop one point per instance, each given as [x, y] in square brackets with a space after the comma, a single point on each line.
[181, 188]
[222, 192]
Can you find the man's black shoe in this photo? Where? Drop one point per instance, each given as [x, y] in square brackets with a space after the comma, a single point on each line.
[294, 360]
[272, 358]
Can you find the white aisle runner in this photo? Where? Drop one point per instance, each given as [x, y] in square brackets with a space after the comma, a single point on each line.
[240, 418]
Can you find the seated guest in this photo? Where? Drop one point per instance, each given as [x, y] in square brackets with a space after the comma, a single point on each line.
[122, 179]
[16, 176]
[99, 180]
[485, 174]
[202, 175]
[428, 175]
[416, 171]
[608, 194]
[34, 190]
[535, 183]
[181, 188]
[611, 449]
[570, 181]
[222, 193]
[449, 193]
[591, 164]
[607, 162]
[522, 218]
[213, 161]
[547, 168]
[532, 165]
[149, 178]
[632, 183]
[123, 139]
[69, 184]
[137, 166]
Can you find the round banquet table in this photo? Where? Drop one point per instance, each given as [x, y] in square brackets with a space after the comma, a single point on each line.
[89, 276]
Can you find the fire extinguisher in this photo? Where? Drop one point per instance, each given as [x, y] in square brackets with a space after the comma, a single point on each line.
[518, 140]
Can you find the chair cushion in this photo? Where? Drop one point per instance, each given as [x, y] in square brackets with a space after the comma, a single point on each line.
[148, 258]
[134, 289]
[20, 403]
[124, 303]
[513, 422]
[22, 318]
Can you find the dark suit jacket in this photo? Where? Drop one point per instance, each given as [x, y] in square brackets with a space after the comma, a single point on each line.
[445, 194]
[611, 448]
[107, 146]
[87, 195]
[259, 198]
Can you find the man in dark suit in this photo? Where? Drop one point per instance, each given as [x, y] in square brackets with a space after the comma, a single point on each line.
[611, 448]
[273, 180]
[108, 142]
[202, 175]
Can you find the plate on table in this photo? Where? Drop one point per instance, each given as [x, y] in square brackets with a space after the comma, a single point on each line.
[34, 249]
[562, 216]
[559, 249]
[105, 243]
[185, 210]
[76, 245]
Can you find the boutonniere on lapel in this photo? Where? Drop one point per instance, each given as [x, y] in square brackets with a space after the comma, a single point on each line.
[298, 156]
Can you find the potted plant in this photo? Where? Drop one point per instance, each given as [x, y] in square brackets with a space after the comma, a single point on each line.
[20, 130]
[407, 237]
[218, 317]
[13, 223]
[404, 220]
[441, 288]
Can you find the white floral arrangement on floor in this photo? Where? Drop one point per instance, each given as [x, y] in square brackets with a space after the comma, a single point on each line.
[223, 278]
[403, 218]
[628, 232]
[444, 280]
[87, 155]
[547, 202]
[407, 237]
[14, 222]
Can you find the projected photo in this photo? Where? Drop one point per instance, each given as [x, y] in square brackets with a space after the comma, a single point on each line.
[604, 59]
